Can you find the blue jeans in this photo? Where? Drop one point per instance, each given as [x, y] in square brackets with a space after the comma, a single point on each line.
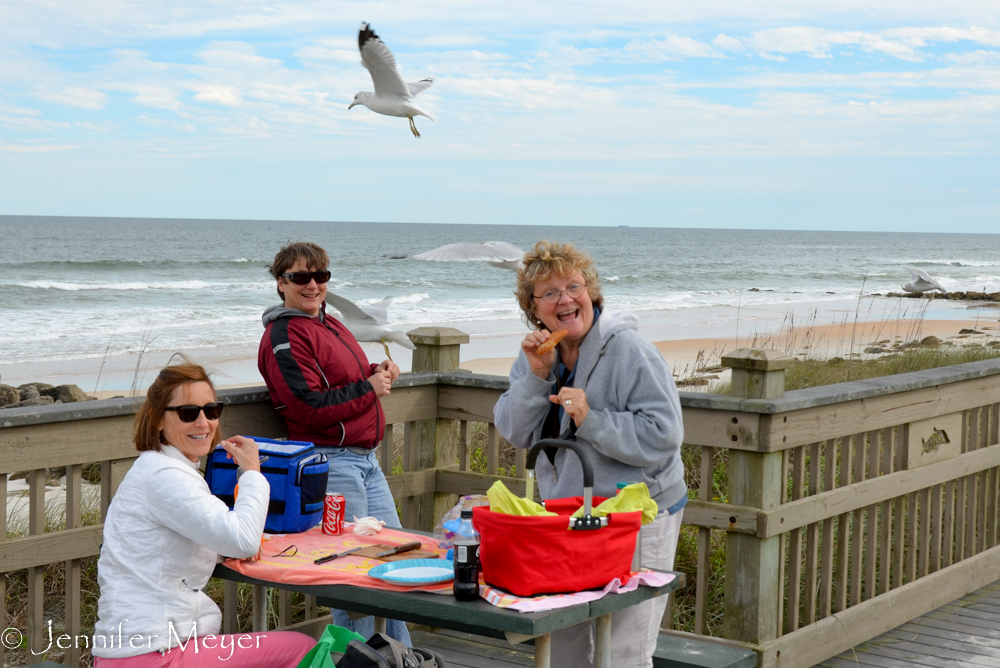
[366, 493]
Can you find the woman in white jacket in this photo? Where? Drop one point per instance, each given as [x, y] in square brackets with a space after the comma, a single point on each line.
[165, 532]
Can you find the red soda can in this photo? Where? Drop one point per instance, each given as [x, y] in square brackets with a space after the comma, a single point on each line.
[333, 514]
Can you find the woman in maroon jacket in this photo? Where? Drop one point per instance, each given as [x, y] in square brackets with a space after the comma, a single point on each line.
[322, 383]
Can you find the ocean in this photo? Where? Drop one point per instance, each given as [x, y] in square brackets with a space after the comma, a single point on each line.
[94, 288]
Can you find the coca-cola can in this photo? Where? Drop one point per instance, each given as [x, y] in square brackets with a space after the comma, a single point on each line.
[333, 514]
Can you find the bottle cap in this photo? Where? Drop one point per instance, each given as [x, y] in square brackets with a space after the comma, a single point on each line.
[467, 514]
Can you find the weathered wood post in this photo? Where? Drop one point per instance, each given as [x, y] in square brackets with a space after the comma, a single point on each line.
[436, 440]
[753, 589]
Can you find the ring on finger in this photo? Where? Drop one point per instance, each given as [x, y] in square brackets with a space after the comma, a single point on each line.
[568, 402]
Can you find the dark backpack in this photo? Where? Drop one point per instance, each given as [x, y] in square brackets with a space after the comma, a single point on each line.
[381, 651]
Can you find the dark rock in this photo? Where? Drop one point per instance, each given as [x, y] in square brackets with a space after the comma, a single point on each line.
[9, 395]
[930, 341]
[36, 401]
[875, 350]
[754, 290]
[68, 394]
[831, 293]
[39, 387]
[29, 392]
[969, 331]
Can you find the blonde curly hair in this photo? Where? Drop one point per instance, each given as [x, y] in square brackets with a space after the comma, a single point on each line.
[549, 259]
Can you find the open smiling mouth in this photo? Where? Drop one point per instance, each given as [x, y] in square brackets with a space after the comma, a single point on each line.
[570, 315]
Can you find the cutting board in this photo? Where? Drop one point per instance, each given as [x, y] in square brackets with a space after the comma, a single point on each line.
[372, 550]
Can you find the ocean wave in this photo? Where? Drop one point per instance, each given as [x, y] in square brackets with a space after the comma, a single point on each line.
[611, 279]
[413, 298]
[123, 285]
[951, 263]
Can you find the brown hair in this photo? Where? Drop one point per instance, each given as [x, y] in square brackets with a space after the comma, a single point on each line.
[551, 258]
[289, 254]
[147, 421]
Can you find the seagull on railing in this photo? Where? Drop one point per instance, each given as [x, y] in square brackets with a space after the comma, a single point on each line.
[392, 96]
[920, 281]
[494, 253]
[369, 323]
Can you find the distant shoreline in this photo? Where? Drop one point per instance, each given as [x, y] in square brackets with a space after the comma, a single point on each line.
[686, 337]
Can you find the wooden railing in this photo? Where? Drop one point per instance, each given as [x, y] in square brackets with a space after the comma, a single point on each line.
[851, 508]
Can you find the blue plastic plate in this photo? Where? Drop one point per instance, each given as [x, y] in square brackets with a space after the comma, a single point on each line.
[412, 572]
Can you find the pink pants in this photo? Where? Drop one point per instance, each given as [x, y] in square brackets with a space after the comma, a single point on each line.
[269, 649]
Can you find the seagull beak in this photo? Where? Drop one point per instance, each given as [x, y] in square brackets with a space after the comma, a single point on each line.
[352, 104]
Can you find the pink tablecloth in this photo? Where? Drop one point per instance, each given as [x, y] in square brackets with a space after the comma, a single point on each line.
[350, 570]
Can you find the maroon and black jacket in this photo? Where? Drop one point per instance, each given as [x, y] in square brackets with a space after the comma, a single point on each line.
[317, 375]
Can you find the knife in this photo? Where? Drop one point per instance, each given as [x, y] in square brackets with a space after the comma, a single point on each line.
[331, 557]
[405, 547]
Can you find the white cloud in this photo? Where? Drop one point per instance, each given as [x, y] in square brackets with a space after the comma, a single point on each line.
[75, 96]
[34, 148]
[817, 42]
[225, 96]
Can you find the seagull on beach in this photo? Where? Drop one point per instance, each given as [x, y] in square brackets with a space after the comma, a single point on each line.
[920, 281]
[494, 253]
[369, 323]
[392, 96]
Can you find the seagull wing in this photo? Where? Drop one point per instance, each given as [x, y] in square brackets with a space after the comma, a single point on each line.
[379, 310]
[919, 274]
[377, 58]
[490, 251]
[351, 311]
[418, 87]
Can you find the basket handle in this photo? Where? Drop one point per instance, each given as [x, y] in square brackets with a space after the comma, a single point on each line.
[588, 470]
[588, 476]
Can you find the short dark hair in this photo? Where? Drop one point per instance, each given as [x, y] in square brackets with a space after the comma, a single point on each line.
[315, 257]
[149, 417]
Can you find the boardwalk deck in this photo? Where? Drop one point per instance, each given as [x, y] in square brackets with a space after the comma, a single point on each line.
[963, 634]
[463, 650]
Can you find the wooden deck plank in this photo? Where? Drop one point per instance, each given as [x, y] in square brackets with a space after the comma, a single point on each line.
[962, 634]
[978, 643]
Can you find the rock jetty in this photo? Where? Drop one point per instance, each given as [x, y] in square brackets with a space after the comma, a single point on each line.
[40, 394]
[958, 296]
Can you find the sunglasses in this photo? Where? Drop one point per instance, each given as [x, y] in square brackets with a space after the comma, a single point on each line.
[189, 413]
[303, 277]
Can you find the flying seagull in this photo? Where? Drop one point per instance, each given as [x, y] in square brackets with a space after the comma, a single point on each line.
[392, 96]
[494, 253]
[369, 323]
[920, 281]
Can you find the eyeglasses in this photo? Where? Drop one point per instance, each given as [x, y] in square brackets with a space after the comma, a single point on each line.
[553, 296]
[190, 412]
[303, 277]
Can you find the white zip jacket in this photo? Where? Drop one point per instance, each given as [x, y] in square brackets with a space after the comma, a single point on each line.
[163, 536]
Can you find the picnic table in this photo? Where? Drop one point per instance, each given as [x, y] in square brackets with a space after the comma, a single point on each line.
[480, 617]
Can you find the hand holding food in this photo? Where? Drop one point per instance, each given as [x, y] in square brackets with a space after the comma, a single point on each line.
[553, 340]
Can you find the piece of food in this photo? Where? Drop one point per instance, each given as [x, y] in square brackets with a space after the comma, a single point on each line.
[554, 339]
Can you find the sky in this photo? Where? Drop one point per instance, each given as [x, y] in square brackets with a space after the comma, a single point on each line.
[778, 114]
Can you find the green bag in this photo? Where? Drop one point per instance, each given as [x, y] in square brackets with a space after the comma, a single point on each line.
[333, 641]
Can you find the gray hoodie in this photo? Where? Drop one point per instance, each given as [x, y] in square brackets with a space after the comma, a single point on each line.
[633, 430]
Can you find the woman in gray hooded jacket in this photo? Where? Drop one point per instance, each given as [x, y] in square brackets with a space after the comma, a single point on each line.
[611, 390]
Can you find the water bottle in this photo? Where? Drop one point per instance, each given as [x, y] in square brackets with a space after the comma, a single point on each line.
[466, 544]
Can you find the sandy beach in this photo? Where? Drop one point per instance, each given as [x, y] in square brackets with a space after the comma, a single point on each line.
[687, 338]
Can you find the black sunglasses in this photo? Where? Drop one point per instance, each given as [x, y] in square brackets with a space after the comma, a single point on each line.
[189, 413]
[303, 277]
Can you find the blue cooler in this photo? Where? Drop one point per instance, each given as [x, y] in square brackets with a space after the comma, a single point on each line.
[297, 475]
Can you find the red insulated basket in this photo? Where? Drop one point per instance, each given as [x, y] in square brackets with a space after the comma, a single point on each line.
[541, 555]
